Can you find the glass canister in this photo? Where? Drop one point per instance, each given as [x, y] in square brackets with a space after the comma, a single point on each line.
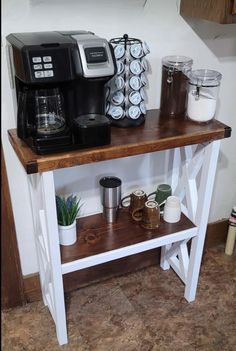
[174, 87]
[203, 94]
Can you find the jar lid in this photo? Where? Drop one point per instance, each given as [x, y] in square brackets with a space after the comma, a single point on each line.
[205, 77]
[177, 62]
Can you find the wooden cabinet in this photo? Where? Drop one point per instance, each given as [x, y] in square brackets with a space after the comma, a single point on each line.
[220, 11]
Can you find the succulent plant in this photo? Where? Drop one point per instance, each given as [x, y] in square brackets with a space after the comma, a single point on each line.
[68, 208]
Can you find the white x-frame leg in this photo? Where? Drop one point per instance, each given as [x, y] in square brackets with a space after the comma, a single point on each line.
[191, 173]
[42, 191]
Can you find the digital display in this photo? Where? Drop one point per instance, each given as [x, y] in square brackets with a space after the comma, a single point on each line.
[95, 54]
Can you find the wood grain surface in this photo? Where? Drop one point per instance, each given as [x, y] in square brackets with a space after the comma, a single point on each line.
[156, 134]
[220, 11]
[95, 236]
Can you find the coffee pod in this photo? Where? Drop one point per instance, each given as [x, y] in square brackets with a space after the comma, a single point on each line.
[135, 82]
[118, 98]
[120, 67]
[133, 112]
[135, 98]
[146, 49]
[119, 82]
[135, 67]
[144, 80]
[143, 94]
[116, 112]
[144, 64]
[136, 50]
[119, 51]
[142, 107]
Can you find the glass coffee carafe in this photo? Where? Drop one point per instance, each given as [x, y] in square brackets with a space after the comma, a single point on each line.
[49, 109]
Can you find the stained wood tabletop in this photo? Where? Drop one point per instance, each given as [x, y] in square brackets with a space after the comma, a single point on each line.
[156, 134]
[95, 236]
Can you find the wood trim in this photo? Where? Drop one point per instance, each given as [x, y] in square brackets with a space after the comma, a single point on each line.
[158, 133]
[216, 234]
[12, 291]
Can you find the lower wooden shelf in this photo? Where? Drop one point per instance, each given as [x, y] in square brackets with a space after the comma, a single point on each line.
[99, 242]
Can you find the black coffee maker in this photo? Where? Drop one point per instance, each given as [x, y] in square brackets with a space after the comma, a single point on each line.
[60, 80]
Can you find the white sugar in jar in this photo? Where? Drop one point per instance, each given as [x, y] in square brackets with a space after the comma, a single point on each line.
[200, 109]
[203, 95]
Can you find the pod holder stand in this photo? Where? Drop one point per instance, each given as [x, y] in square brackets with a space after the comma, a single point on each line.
[132, 67]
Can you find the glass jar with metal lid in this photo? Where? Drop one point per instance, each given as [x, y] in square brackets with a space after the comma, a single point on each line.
[175, 73]
[203, 94]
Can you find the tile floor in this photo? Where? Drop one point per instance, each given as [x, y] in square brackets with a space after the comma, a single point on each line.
[142, 311]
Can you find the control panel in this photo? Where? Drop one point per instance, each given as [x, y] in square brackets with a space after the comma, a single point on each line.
[42, 66]
[49, 65]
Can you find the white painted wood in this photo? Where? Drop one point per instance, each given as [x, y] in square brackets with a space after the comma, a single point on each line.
[42, 221]
[175, 265]
[187, 163]
[57, 290]
[183, 257]
[164, 264]
[182, 166]
[48, 250]
[174, 168]
[196, 163]
[34, 185]
[202, 213]
[174, 249]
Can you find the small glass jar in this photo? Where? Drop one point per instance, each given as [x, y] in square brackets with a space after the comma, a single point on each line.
[203, 94]
[174, 87]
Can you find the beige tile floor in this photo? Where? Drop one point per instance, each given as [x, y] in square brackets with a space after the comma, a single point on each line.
[142, 311]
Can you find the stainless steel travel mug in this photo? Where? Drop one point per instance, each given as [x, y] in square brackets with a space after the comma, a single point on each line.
[110, 197]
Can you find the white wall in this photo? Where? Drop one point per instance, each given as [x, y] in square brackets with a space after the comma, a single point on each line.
[159, 24]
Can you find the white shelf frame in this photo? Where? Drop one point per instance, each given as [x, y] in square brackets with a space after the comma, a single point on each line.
[190, 170]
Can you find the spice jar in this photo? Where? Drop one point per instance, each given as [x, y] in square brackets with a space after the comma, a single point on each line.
[174, 87]
[203, 94]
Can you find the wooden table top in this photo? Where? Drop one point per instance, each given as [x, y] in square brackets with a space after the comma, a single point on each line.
[156, 134]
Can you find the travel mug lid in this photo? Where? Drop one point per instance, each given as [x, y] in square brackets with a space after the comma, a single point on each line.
[205, 77]
[110, 182]
[177, 62]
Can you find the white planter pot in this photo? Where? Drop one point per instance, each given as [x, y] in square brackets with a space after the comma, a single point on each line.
[67, 234]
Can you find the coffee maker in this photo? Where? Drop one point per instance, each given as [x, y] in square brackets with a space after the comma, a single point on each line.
[60, 80]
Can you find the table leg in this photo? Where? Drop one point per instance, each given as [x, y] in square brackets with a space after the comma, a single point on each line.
[192, 177]
[48, 249]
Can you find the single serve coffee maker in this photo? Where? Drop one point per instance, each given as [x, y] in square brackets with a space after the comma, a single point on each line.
[60, 79]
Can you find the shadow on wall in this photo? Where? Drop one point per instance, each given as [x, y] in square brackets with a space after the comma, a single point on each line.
[219, 38]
